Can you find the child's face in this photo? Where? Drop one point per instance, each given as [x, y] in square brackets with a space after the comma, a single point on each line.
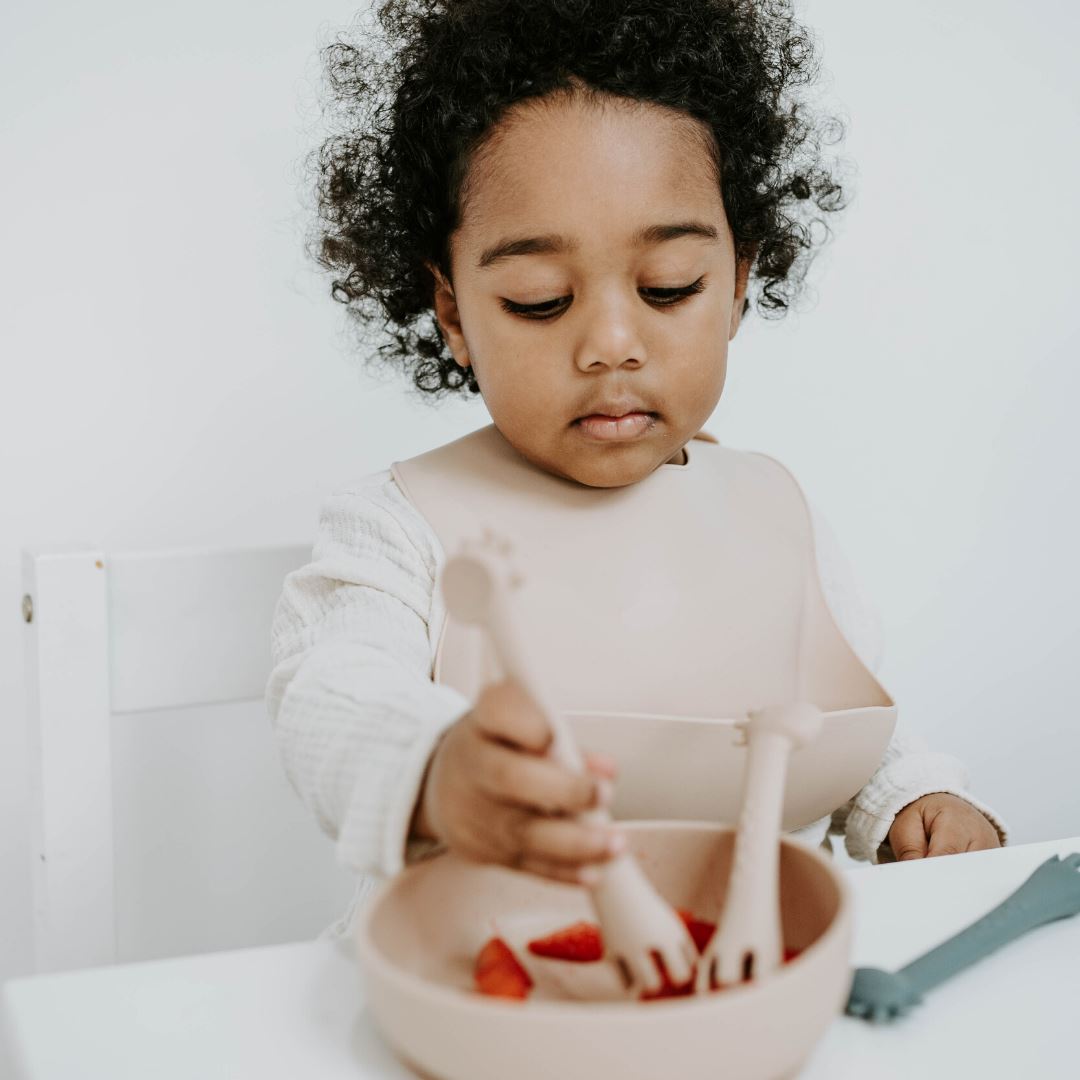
[594, 177]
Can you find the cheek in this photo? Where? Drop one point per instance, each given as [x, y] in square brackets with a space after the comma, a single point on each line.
[530, 366]
[694, 393]
[519, 385]
[704, 370]
[703, 336]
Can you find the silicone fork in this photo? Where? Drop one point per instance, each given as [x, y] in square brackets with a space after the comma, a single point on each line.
[748, 941]
[1051, 892]
[638, 925]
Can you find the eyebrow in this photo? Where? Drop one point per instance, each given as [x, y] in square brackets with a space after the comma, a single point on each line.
[555, 244]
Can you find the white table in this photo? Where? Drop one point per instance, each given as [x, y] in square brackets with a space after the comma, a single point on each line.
[298, 1011]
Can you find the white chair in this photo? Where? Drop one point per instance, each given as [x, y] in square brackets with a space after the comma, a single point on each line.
[163, 821]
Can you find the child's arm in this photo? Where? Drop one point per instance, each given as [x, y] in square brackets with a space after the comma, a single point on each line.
[354, 709]
[389, 761]
[909, 769]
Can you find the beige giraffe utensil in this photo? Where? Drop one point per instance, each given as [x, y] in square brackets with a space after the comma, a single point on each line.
[748, 942]
[635, 920]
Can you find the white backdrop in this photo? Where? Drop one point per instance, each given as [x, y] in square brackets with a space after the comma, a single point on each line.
[175, 373]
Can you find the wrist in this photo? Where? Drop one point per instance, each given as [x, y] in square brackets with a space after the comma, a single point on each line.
[423, 824]
[420, 827]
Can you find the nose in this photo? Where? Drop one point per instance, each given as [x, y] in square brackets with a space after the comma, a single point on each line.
[631, 362]
[610, 338]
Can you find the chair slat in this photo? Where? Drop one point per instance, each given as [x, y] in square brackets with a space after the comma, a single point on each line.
[124, 632]
[67, 694]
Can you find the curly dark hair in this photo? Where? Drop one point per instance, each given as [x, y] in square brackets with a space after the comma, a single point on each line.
[418, 102]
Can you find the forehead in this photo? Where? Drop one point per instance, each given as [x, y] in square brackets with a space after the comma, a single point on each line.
[574, 168]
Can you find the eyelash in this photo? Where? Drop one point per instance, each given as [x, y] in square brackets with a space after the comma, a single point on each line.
[529, 311]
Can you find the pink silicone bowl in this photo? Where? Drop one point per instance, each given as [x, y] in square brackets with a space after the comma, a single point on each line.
[417, 941]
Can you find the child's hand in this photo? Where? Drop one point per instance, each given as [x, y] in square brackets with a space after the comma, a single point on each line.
[491, 794]
[951, 824]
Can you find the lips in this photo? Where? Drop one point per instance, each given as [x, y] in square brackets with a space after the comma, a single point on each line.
[617, 408]
[607, 429]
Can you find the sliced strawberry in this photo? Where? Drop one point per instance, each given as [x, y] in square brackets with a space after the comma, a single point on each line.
[498, 973]
[701, 930]
[667, 990]
[580, 942]
[667, 987]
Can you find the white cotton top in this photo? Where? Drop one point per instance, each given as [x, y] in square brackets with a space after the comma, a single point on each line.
[356, 712]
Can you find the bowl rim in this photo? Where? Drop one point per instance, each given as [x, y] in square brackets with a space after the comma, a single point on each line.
[370, 958]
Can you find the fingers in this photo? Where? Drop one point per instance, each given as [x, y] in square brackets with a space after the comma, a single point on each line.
[507, 801]
[564, 850]
[947, 838]
[536, 783]
[984, 842]
[505, 713]
[940, 824]
[981, 832]
[559, 848]
[955, 830]
[556, 871]
[563, 840]
[907, 836]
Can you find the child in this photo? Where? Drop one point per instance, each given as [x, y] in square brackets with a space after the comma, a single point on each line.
[583, 194]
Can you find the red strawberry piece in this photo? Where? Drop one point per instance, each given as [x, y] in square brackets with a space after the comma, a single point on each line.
[667, 987]
[580, 942]
[498, 973]
[701, 930]
[667, 990]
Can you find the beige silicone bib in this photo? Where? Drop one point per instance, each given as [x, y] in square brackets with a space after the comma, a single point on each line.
[658, 614]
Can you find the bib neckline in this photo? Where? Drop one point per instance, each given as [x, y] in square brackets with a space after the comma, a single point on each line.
[685, 465]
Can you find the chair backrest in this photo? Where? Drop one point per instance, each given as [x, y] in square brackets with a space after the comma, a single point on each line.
[114, 633]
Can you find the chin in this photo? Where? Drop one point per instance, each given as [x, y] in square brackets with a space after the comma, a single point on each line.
[598, 470]
[610, 474]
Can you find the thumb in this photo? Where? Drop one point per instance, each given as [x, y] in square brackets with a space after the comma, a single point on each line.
[907, 837]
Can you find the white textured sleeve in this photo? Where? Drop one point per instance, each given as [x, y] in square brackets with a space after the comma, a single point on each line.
[351, 697]
[909, 769]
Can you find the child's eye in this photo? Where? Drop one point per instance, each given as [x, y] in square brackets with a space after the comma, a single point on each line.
[549, 308]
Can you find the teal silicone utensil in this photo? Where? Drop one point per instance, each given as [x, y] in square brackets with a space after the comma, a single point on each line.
[1051, 892]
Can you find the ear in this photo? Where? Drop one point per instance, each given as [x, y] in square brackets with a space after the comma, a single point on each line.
[447, 315]
[742, 278]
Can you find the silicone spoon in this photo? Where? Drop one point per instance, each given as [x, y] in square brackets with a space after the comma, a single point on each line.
[638, 925]
[748, 942]
[1051, 892]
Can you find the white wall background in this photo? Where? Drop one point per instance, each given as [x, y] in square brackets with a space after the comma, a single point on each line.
[175, 373]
